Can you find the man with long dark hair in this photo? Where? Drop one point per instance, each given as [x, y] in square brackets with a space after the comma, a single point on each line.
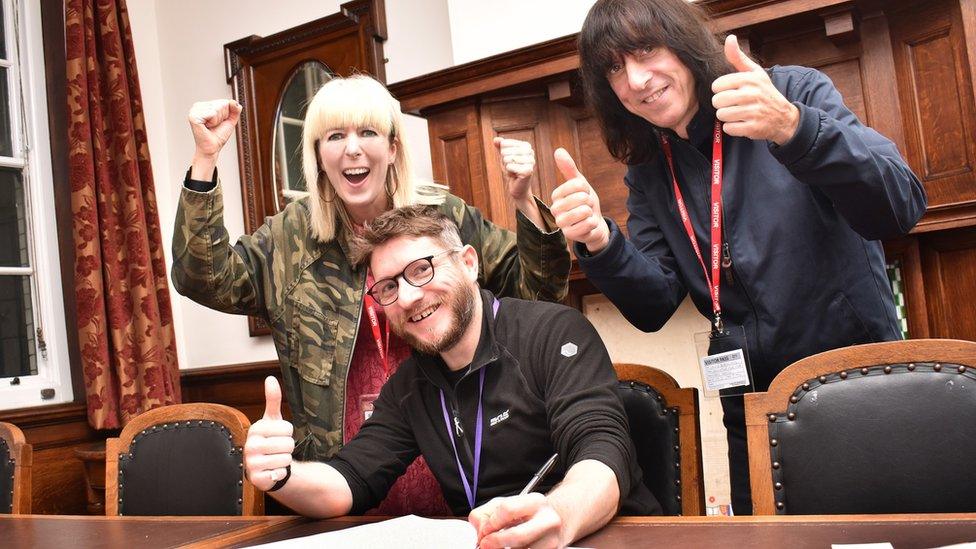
[755, 190]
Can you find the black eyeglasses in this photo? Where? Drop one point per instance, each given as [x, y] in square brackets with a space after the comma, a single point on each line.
[417, 273]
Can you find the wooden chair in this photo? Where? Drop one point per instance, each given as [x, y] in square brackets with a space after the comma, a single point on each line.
[663, 421]
[878, 428]
[184, 459]
[16, 457]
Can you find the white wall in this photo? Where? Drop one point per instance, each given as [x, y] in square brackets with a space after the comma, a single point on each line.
[482, 28]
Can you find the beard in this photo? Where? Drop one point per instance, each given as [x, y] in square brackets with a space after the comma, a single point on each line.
[461, 307]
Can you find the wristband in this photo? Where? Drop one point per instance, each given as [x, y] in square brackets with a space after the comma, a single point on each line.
[280, 483]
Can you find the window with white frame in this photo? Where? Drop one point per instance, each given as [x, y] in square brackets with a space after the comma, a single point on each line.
[34, 366]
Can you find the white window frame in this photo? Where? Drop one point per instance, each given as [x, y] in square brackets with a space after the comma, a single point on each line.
[32, 150]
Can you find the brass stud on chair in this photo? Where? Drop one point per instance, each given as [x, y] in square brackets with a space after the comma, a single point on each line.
[773, 442]
[806, 386]
[961, 369]
[772, 418]
[822, 379]
[864, 371]
[775, 465]
[794, 399]
[937, 367]
[887, 369]
[911, 366]
[791, 416]
[843, 375]
[780, 505]
[778, 486]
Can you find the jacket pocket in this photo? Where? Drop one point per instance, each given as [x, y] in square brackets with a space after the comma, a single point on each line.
[312, 343]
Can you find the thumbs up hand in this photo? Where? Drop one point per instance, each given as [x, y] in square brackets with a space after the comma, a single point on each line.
[267, 451]
[576, 207]
[748, 103]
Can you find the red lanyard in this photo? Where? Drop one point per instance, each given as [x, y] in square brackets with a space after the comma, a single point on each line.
[374, 322]
[716, 210]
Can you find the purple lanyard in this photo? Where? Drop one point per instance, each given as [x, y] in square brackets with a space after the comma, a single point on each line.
[470, 490]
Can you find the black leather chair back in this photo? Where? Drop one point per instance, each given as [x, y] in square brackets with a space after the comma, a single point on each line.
[654, 430]
[886, 439]
[181, 468]
[7, 465]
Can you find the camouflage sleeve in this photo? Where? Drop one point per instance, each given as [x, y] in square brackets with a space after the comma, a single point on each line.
[206, 268]
[528, 264]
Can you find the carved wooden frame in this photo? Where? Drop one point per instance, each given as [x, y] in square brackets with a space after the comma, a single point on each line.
[258, 68]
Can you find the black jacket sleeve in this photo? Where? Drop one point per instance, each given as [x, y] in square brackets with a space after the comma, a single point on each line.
[639, 275]
[576, 379]
[379, 453]
[860, 170]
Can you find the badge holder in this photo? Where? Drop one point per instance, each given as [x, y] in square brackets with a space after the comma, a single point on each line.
[723, 362]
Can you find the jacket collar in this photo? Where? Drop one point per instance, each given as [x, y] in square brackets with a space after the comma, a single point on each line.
[700, 128]
[487, 351]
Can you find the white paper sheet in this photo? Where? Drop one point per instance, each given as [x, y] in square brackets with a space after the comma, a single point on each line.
[402, 532]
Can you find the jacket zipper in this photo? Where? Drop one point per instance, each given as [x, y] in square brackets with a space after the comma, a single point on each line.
[345, 379]
[727, 263]
[726, 249]
[456, 417]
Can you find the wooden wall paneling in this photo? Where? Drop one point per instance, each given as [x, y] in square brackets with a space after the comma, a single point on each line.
[936, 93]
[522, 116]
[878, 71]
[803, 41]
[58, 477]
[456, 155]
[906, 251]
[949, 269]
[240, 386]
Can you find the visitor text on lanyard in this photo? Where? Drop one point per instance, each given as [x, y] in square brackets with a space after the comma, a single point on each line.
[716, 219]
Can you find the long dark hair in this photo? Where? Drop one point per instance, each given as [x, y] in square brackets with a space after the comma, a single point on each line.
[614, 27]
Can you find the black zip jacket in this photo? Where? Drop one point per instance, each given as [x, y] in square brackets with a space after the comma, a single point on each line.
[549, 387]
[801, 224]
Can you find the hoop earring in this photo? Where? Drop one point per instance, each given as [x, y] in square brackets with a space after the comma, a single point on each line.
[392, 176]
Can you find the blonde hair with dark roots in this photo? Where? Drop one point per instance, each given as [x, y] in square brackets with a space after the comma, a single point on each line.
[411, 221]
[357, 100]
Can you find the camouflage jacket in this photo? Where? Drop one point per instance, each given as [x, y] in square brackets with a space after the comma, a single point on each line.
[311, 296]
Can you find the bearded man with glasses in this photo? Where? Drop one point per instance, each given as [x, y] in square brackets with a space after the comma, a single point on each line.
[492, 389]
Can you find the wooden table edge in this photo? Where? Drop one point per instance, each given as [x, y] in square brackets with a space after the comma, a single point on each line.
[244, 534]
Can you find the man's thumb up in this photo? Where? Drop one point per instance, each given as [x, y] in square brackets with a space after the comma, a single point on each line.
[565, 164]
[272, 398]
[739, 60]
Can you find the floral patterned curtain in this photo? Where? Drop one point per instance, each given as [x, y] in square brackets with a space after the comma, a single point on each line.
[125, 322]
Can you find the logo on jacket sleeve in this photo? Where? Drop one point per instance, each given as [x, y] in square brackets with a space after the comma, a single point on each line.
[568, 349]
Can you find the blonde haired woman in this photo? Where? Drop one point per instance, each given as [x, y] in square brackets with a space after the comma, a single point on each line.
[334, 346]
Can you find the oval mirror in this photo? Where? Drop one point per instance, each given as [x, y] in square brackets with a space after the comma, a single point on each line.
[288, 179]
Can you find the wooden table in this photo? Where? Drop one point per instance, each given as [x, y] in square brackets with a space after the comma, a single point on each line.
[63, 532]
[902, 531]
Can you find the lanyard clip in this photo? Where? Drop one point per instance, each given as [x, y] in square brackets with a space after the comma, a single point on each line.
[718, 326]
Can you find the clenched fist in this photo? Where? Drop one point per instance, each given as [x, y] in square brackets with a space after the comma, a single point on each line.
[267, 451]
[576, 207]
[212, 123]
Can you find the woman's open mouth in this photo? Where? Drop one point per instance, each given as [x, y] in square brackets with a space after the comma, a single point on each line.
[356, 175]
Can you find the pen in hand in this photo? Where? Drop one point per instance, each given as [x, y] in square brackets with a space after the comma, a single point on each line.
[539, 475]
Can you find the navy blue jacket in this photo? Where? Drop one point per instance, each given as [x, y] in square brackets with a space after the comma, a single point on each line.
[801, 221]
